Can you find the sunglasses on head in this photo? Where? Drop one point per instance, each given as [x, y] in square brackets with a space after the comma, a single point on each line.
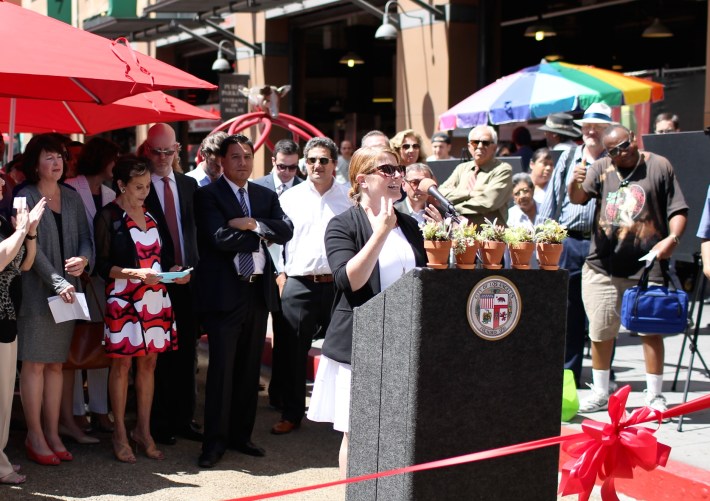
[616, 150]
[283, 167]
[480, 142]
[409, 146]
[161, 151]
[389, 170]
[321, 160]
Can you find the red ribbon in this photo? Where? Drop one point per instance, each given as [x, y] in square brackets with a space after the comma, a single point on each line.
[606, 451]
[612, 450]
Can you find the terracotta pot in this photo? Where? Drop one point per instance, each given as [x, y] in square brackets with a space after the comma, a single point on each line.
[521, 254]
[492, 254]
[437, 253]
[548, 255]
[467, 260]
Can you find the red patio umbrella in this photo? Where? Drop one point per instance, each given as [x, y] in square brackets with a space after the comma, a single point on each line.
[39, 115]
[47, 59]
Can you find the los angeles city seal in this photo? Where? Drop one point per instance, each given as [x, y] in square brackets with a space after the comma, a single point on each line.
[493, 308]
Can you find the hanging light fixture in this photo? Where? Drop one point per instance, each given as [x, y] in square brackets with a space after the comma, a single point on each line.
[351, 59]
[657, 30]
[539, 31]
[221, 64]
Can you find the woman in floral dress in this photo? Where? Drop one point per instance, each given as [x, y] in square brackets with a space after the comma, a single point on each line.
[139, 318]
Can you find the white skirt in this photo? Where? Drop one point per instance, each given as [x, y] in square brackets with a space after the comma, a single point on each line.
[330, 400]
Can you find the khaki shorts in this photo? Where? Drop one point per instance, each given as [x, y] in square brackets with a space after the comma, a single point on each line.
[602, 295]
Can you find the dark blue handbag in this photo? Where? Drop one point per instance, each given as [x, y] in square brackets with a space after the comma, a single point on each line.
[655, 309]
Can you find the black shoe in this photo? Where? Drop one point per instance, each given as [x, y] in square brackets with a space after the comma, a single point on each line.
[164, 438]
[250, 449]
[208, 459]
[190, 433]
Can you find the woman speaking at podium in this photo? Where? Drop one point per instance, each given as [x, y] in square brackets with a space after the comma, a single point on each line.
[369, 247]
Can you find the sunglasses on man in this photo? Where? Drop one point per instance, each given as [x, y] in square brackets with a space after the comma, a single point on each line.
[321, 160]
[161, 151]
[616, 150]
[480, 142]
[283, 167]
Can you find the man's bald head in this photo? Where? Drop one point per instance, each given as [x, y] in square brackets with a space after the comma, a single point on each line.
[161, 132]
[161, 148]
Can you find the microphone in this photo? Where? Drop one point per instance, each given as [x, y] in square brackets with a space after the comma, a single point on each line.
[429, 186]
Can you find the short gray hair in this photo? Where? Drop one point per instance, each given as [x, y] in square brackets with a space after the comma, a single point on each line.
[486, 128]
[322, 142]
[419, 167]
[523, 177]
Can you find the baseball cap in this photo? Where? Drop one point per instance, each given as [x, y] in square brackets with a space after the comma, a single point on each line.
[441, 136]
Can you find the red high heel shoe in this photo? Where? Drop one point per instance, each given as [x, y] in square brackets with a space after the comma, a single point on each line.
[63, 455]
[46, 460]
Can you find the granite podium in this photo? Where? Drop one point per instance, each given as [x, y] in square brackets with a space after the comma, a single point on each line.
[426, 386]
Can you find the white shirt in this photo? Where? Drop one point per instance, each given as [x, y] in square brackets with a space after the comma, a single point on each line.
[433, 158]
[258, 256]
[565, 145]
[310, 213]
[277, 182]
[160, 191]
[517, 217]
[396, 258]
[539, 195]
[199, 175]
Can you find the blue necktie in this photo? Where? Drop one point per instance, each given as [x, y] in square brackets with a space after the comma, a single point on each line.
[245, 259]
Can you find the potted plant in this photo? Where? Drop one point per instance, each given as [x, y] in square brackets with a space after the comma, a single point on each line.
[465, 242]
[492, 244]
[437, 243]
[549, 236]
[521, 245]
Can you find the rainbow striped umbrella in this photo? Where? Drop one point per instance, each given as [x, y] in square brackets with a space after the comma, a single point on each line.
[537, 91]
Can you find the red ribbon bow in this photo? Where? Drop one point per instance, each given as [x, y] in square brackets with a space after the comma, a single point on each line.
[612, 450]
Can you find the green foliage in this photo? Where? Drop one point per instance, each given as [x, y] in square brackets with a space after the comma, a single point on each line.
[518, 234]
[491, 232]
[464, 236]
[437, 231]
[550, 232]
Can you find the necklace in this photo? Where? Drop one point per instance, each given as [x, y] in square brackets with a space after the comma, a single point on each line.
[624, 181]
[49, 199]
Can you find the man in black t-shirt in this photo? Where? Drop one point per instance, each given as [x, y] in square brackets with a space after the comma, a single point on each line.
[640, 208]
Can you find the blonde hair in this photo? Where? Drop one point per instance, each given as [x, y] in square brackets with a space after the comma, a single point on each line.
[398, 139]
[363, 162]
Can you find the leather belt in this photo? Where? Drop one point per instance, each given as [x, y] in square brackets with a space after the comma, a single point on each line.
[325, 279]
[579, 235]
[250, 278]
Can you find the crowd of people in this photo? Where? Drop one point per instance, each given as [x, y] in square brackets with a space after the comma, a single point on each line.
[322, 233]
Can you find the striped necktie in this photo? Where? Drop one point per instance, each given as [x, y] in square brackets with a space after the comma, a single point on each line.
[245, 259]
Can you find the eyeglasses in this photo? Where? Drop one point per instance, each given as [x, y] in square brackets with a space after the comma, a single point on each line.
[521, 191]
[389, 170]
[616, 150]
[409, 146]
[292, 168]
[480, 142]
[161, 151]
[321, 160]
[414, 183]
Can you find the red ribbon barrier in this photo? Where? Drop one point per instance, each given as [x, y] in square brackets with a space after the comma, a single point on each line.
[602, 450]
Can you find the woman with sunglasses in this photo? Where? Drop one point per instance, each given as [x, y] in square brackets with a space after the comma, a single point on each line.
[408, 145]
[369, 247]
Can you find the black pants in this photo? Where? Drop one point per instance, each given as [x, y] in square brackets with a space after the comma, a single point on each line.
[306, 310]
[174, 399]
[236, 341]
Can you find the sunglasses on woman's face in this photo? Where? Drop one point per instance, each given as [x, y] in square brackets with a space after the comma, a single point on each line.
[408, 146]
[389, 170]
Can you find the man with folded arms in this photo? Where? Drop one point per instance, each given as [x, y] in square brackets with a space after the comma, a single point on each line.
[482, 188]
[235, 290]
[308, 295]
[641, 210]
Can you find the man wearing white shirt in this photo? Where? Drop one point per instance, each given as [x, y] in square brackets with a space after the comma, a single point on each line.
[308, 294]
[209, 170]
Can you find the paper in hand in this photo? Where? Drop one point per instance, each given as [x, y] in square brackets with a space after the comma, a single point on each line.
[63, 312]
[19, 203]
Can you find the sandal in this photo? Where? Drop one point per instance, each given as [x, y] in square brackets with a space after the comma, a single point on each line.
[13, 478]
[148, 447]
[123, 452]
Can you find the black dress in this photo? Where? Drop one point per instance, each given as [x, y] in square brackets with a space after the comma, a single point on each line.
[10, 289]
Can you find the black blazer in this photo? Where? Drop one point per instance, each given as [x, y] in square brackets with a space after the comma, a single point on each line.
[268, 181]
[186, 188]
[114, 245]
[345, 236]
[216, 281]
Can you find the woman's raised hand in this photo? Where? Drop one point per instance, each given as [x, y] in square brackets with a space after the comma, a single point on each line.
[386, 219]
[36, 214]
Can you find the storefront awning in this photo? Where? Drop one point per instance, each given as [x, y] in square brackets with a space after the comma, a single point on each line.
[215, 6]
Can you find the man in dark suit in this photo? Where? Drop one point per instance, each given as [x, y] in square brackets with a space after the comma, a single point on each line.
[235, 291]
[170, 201]
[282, 177]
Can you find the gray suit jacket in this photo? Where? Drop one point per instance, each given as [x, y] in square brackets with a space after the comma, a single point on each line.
[47, 276]
[267, 181]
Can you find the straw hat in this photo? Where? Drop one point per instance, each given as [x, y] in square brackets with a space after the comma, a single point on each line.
[597, 113]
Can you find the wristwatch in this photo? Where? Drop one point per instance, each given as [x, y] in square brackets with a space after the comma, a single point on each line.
[675, 238]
